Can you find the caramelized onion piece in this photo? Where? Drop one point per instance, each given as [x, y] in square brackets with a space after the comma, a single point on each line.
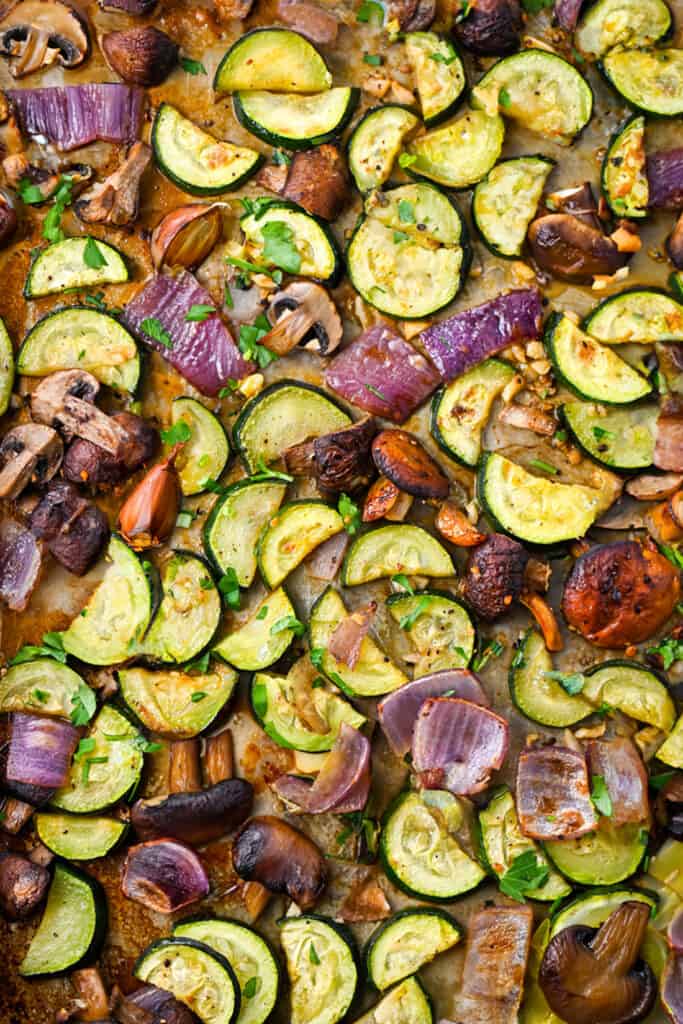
[164, 875]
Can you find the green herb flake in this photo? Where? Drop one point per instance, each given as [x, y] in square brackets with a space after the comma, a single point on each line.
[525, 875]
[288, 622]
[261, 613]
[375, 391]
[92, 255]
[51, 646]
[408, 621]
[199, 312]
[401, 580]
[251, 987]
[231, 385]
[179, 433]
[265, 473]
[504, 99]
[316, 655]
[281, 159]
[192, 67]
[52, 230]
[600, 434]
[400, 236]
[493, 649]
[545, 467]
[155, 330]
[29, 193]
[600, 796]
[406, 160]
[249, 337]
[42, 696]
[373, 59]
[534, 6]
[370, 10]
[312, 955]
[84, 705]
[230, 588]
[406, 212]
[669, 650]
[198, 695]
[350, 513]
[185, 519]
[279, 247]
[673, 553]
[571, 682]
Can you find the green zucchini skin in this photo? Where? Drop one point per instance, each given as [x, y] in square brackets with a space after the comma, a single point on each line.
[390, 924]
[292, 142]
[346, 938]
[632, 212]
[200, 947]
[48, 260]
[477, 219]
[624, 458]
[363, 129]
[638, 295]
[642, 104]
[500, 374]
[319, 79]
[337, 272]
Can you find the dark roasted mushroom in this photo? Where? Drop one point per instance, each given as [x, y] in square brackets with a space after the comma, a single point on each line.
[87, 463]
[311, 20]
[400, 457]
[412, 15]
[595, 976]
[142, 56]
[491, 27]
[30, 453]
[164, 875]
[303, 314]
[385, 500]
[318, 181]
[66, 401]
[567, 248]
[134, 7]
[284, 860]
[8, 219]
[620, 593]
[23, 885]
[578, 200]
[339, 461]
[37, 33]
[186, 236]
[75, 529]
[151, 1005]
[494, 576]
[115, 200]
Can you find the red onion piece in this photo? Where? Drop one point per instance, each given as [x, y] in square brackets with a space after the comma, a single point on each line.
[75, 115]
[674, 933]
[346, 640]
[665, 179]
[671, 988]
[398, 711]
[164, 875]
[669, 437]
[40, 751]
[204, 352]
[134, 7]
[325, 562]
[469, 337]
[152, 1005]
[343, 783]
[383, 374]
[457, 745]
[566, 13]
[498, 943]
[620, 764]
[553, 795]
[20, 564]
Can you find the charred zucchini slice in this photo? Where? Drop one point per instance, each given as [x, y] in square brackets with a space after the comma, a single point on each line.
[542, 91]
[206, 451]
[313, 251]
[624, 180]
[649, 80]
[189, 613]
[175, 703]
[439, 75]
[376, 142]
[603, 857]
[276, 703]
[505, 202]
[621, 23]
[236, 522]
[439, 627]
[295, 121]
[622, 439]
[263, 638]
[74, 263]
[195, 974]
[409, 255]
[77, 836]
[73, 925]
[195, 161]
[296, 530]
[459, 154]
[535, 693]
[322, 964]
[642, 315]
[275, 59]
[80, 338]
[461, 409]
[406, 942]
[389, 550]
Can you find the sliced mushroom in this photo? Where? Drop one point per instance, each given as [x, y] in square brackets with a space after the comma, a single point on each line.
[141, 56]
[321, 26]
[340, 461]
[400, 457]
[196, 817]
[92, 994]
[654, 486]
[186, 236]
[454, 525]
[385, 500]
[75, 530]
[303, 314]
[578, 200]
[37, 33]
[494, 575]
[87, 463]
[595, 976]
[567, 248]
[280, 857]
[8, 218]
[116, 199]
[318, 181]
[491, 27]
[528, 417]
[65, 400]
[18, 168]
[30, 453]
[23, 885]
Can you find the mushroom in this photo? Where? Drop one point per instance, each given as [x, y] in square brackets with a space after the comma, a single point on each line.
[15, 814]
[134, 7]
[23, 885]
[92, 995]
[385, 500]
[186, 236]
[17, 168]
[75, 530]
[340, 461]
[318, 180]
[270, 851]
[400, 457]
[577, 200]
[227, 10]
[595, 976]
[8, 218]
[452, 523]
[570, 249]
[141, 56]
[303, 314]
[85, 462]
[66, 401]
[150, 1005]
[36, 33]
[30, 453]
[491, 27]
[115, 200]
[494, 575]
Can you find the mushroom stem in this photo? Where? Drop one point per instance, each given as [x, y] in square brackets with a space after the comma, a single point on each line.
[218, 758]
[184, 772]
[91, 994]
[15, 814]
[256, 898]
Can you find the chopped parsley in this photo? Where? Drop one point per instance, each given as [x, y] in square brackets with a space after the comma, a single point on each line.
[52, 230]
[493, 649]
[370, 10]
[525, 875]
[92, 255]
[408, 621]
[230, 588]
[406, 212]
[155, 330]
[249, 337]
[199, 312]
[279, 247]
[179, 433]
[600, 796]
[263, 472]
[545, 467]
[407, 160]
[84, 705]
[51, 646]
[350, 513]
[288, 622]
[571, 682]
[402, 580]
[192, 67]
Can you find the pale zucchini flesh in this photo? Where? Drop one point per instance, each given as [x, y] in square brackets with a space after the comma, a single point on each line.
[275, 59]
[592, 370]
[296, 121]
[621, 23]
[407, 1003]
[275, 701]
[236, 522]
[72, 925]
[316, 248]
[439, 74]
[42, 686]
[604, 857]
[189, 613]
[195, 974]
[633, 690]
[642, 315]
[624, 178]
[62, 266]
[460, 411]
[376, 143]
[262, 639]
[205, 454]
[297, 529]
[389, 550]
[406, 942]
[505, 202]
[461, 153]
[439, 628]
[622, 439]
[78, 837]
[323, 982]
[164, 700]
[535, 693]
[649, 80]
[6, 368]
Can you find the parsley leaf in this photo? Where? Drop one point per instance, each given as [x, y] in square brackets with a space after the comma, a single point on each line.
[350, 513]
[534, 6]
[571, 682]
[288, 622]
[504, 99]
[525, 875]
[50, 647]
[673, 553]
[312, 955]
[407, 159]
[316, 654]
[370, 10]
[92, 255]
[669, 650]
[261, 613]
[545, 467]
[408, 621]
[198, 313]
[249, 337]
[84, 705]
[29, 193]
[52, 230]
[254, 268]
[493, 649]
[197, 696]
[373, 59]
[179, 433]
[154, 329]
[600, 796]
[230, 588]
[251, 987]
[280, 158]
[193, 67]
[406, 212]
[402, 580]
[279, 247]
[600, 434]
[264, 472]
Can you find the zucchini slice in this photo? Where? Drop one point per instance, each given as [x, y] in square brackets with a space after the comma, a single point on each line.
[373, 674]
[622, 439]
[439, 627]
[322, 964]
[235, 523]
[43, 686]
[117, 614]
[317, 252]
[167, 702]
[78, 837]
[195, 974]
[420, 848]
[649, 80]
[376, 142]
[461, 409]
[642, 315]
[263, 638]
[591, 370]
[395, 549]
[296, 530]
[439, 75]
[109, 771]
[461, 153]
[276, 59]
[250, 957]
[294, 121]
[502, 841]
[624, 180]
[545, 93]
[632, 689]
[6, 368]
[281, 711]
[80, 338]
[536, 694]
[671, 750]
[195, 161]
[206, 453]
[408, 1002]
[189, 613]
[505, 202]
[533, 508]
[63, 266]
[406, 942]
[604, 857]
[623, 23]
[73, 925]
[409, 255]
[282, 415]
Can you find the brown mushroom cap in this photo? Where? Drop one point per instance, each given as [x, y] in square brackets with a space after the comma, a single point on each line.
[141, 55]
[280, 857]
[304, 314]
[29, 453]
[66, 401]
[37, 33]
[570, 249]
[115, 200]
[195, 817]
[400, 457]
